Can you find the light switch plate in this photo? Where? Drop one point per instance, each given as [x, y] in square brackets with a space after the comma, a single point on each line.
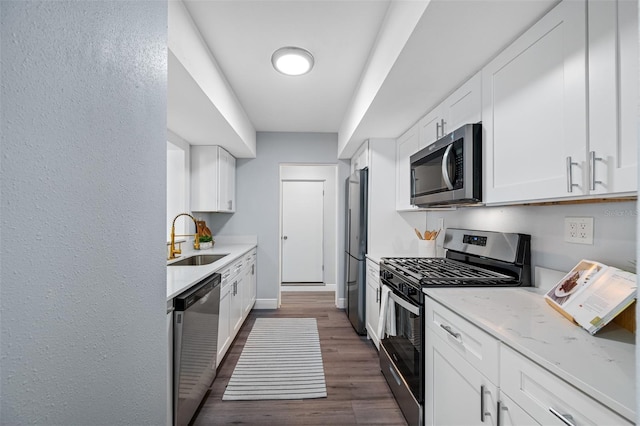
[578, 230]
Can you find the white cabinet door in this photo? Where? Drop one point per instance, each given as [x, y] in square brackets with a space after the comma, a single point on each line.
[406, 145]
[236, 304]
[248, 284]
[455, 392]
[534, 111]
[431, 127]
[227, 181]
[547, 398]
[213, 173]
[204, 178]
[613, 94]
[373, 301]
[464, 106]
[224, 327]
[512, 415]
[360, 159]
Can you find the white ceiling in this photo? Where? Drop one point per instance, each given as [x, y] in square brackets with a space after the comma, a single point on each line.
[452, 40]
[242, 35]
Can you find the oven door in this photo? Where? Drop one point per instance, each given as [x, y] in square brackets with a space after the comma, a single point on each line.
[401, 354]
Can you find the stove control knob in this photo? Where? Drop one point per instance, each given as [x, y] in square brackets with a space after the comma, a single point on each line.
[386, 275]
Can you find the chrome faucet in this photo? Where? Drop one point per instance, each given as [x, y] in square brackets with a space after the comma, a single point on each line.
[196, 243]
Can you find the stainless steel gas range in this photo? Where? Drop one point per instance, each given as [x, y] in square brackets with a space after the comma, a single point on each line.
[473, 259]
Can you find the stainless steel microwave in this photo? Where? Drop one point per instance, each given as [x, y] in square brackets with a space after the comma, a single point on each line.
[449, 171]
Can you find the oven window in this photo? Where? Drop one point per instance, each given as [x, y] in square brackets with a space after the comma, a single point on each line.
[427, 173]
[402, 338]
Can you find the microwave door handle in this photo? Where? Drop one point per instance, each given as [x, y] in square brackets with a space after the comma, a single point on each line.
[445, 169]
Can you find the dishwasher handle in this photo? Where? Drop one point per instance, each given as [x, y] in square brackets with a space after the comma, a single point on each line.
[196, 292]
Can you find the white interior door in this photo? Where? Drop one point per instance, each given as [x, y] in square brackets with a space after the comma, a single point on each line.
[302, 231]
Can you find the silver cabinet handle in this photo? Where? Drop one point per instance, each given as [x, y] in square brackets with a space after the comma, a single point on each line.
[445, 169]
[567, 419]
[442, 123]
[230, 204]
[448, 329]
[483, 413]
[570, 183]
[592, 169]
[498, 411]
[437, 130]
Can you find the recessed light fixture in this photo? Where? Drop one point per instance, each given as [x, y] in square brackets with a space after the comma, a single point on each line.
[292, 60]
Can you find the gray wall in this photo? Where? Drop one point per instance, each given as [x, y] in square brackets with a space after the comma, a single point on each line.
[258, 194]
[83, 89]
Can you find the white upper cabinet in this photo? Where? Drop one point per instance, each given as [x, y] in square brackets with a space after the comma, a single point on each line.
[213, 174]
[360, 159]
[534, 111]
[431, 127]
[406, 145]
[464, 106]
[613, 94]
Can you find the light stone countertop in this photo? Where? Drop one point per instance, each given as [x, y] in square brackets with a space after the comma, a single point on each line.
[602, 366]
[180, 278]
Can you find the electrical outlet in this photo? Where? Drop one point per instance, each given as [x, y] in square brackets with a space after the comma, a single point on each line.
[578, 230]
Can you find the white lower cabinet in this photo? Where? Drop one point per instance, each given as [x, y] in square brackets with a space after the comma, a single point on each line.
[546, 397]
[471, 378]
[511, 414]
[224, 331]
[373, 301]
[237, 297]
[461, 370]
[457, 393]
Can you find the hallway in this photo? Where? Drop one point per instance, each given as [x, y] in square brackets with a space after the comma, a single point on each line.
[357, 391]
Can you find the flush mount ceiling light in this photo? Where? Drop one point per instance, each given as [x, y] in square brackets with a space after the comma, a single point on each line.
[292, 60]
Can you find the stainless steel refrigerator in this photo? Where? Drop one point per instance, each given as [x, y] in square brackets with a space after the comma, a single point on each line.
[356, 248]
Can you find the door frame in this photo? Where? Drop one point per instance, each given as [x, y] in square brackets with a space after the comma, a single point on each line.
[309, 176]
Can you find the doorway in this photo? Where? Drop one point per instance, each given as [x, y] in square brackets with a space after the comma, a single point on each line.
[297, 184]
[302, 232]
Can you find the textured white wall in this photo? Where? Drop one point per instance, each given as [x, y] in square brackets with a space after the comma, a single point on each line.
[83, 89]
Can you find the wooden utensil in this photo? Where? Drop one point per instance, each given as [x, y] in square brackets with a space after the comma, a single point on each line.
[418, 233]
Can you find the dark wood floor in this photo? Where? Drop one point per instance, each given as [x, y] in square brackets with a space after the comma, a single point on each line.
[357, 393]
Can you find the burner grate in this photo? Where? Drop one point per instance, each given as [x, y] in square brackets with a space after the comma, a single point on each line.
[442, 271]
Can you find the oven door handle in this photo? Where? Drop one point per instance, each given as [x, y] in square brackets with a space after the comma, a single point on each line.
[415, 310]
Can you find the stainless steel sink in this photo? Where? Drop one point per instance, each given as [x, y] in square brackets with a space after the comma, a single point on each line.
[198, 260]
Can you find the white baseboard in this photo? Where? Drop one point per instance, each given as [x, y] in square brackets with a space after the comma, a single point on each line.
[341, 303]
[326, 287]
[266, 304]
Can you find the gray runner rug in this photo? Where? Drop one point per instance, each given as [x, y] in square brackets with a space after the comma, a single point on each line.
[280, 360]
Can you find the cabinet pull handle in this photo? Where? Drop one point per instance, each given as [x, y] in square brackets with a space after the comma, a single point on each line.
[567, 419]
[442, 127]
[498, 408]
[592, 169]
[448, 329]
[482, 413]
[437, 130]
[570, 183]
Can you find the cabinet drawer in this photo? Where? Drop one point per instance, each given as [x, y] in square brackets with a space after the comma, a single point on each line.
[373, 271]
[479, 348]
[541, 393]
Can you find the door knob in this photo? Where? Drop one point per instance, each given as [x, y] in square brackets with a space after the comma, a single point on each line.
[284, 238]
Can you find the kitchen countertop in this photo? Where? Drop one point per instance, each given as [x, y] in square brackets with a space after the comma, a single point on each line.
[180, 278]
[602, 366]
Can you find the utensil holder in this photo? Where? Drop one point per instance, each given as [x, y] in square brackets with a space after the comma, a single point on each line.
[427, 248]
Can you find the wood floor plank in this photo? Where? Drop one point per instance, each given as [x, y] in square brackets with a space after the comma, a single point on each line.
[357, 393]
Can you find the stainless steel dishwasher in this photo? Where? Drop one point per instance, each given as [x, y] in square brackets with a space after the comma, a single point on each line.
[195, 345]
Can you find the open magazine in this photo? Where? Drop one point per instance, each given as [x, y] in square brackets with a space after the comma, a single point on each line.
[592, 294]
